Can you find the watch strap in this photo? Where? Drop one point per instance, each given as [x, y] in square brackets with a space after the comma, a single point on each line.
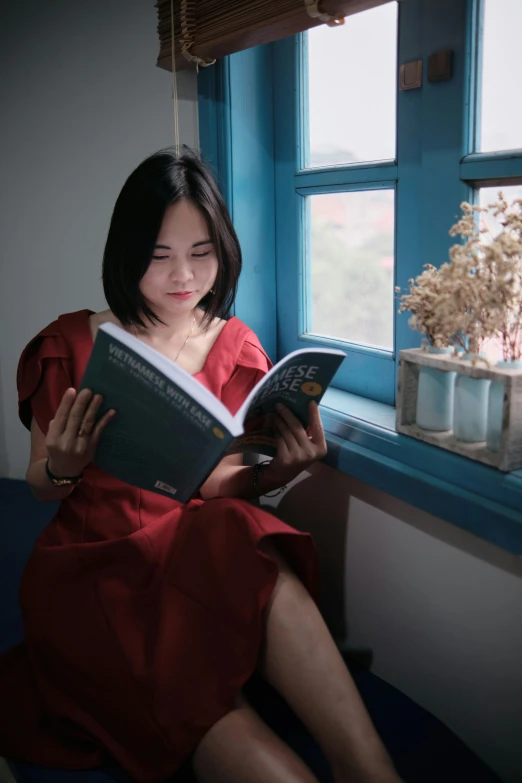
[61, 481]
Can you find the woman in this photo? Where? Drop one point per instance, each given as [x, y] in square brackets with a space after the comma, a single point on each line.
[144, 618]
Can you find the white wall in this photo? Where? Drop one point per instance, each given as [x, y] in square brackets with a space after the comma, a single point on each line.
[82, 104]
[440, 608]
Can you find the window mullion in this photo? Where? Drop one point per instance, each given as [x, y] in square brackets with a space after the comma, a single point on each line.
[432, 126]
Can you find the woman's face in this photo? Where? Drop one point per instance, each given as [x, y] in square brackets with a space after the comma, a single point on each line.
[184, 265]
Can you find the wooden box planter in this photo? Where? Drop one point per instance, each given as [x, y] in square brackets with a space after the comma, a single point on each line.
[509, 457]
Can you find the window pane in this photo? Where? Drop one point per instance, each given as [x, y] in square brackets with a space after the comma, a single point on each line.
[352, 266]
[493, 346]
[352, 80]
[500, 122]
[489, 196]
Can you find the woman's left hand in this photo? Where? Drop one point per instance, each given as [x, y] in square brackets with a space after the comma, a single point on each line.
[297, 448]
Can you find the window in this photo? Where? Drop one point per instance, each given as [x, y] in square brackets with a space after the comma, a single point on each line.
[304, 200]
[496, 124]
[369, 179]
[356, 67]
[350, 256]
[357, 183]
[496, 121]
[499, 113]
[353, 232]
[340, 174]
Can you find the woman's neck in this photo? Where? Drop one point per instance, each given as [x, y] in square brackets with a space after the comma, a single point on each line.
[171, 328]
[161, 334]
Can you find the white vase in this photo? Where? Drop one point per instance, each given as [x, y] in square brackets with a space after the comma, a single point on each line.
[496, 407]
[435, 396]
[470, 414]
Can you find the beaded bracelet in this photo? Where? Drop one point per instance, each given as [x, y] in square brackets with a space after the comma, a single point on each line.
[255, 477]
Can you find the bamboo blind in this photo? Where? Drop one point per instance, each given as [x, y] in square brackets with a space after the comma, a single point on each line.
[220, 27]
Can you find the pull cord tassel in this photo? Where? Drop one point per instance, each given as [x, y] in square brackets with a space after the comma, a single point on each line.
[313, 9]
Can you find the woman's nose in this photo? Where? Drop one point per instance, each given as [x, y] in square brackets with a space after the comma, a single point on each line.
[181, 270]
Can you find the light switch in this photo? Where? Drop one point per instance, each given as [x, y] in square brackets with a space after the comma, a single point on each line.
[439, 66]
[410, 75]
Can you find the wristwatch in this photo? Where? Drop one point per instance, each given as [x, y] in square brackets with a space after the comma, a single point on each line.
[62, 481]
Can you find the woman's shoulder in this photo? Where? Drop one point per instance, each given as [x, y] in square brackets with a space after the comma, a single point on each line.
[49, 364]
[65, 326]
[95, 320]
[61, 339]
[250, 352]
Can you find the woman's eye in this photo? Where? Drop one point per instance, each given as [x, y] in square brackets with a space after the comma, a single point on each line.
[159, 258]
[201, 255]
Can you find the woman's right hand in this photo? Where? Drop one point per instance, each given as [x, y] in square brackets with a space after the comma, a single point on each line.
[73, 436]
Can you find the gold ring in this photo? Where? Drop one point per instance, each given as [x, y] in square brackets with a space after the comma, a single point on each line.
[82, 433]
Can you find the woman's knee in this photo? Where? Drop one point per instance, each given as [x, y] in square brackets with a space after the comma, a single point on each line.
[241, 747]
[220, 743]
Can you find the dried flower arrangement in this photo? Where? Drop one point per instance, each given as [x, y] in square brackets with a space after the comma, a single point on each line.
[478, 294]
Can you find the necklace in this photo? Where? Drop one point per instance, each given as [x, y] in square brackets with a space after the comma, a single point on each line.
[186, 339]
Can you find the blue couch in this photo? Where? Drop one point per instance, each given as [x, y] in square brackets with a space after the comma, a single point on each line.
[423, 749]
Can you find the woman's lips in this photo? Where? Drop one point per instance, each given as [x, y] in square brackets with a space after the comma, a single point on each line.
[181, 295]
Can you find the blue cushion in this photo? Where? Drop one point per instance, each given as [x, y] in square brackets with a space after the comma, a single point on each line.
[22, 518]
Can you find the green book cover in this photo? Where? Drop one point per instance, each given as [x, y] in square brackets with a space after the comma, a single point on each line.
[295, 381]
[169, 431]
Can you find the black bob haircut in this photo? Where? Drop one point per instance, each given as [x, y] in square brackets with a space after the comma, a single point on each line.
[161, 180]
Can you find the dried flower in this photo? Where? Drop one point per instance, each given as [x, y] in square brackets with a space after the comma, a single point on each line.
[424, 302]
[478, 294]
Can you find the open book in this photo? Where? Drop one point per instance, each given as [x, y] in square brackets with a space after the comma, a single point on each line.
[169, 431]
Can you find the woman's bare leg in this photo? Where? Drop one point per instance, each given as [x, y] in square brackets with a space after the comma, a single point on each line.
[241, 748]
[301, 661]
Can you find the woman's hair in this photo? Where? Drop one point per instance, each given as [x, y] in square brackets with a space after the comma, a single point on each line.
[161, 180]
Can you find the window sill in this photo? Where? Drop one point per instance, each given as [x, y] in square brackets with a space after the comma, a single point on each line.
[363, 443]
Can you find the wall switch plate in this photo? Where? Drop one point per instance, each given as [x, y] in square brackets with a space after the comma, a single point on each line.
[410, 76]
[439, 66]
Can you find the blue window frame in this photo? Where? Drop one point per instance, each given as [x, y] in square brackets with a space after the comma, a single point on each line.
[249, 109]
[425, 175]
[436, 168]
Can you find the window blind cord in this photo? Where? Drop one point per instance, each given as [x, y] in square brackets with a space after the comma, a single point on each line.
[188, 30]
[174, 79]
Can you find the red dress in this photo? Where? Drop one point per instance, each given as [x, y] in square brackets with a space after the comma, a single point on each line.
[143, 617]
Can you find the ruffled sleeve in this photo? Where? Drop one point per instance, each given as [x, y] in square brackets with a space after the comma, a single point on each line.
[251, 365]
[44, 374]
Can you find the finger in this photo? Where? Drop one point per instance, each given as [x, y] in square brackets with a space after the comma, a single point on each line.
[316, 429]
[62, 414]
[101, 426]
[281, 446]
[286, 414]
[78, 412]
[282, 428]
[88, 420]
[294, 425]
